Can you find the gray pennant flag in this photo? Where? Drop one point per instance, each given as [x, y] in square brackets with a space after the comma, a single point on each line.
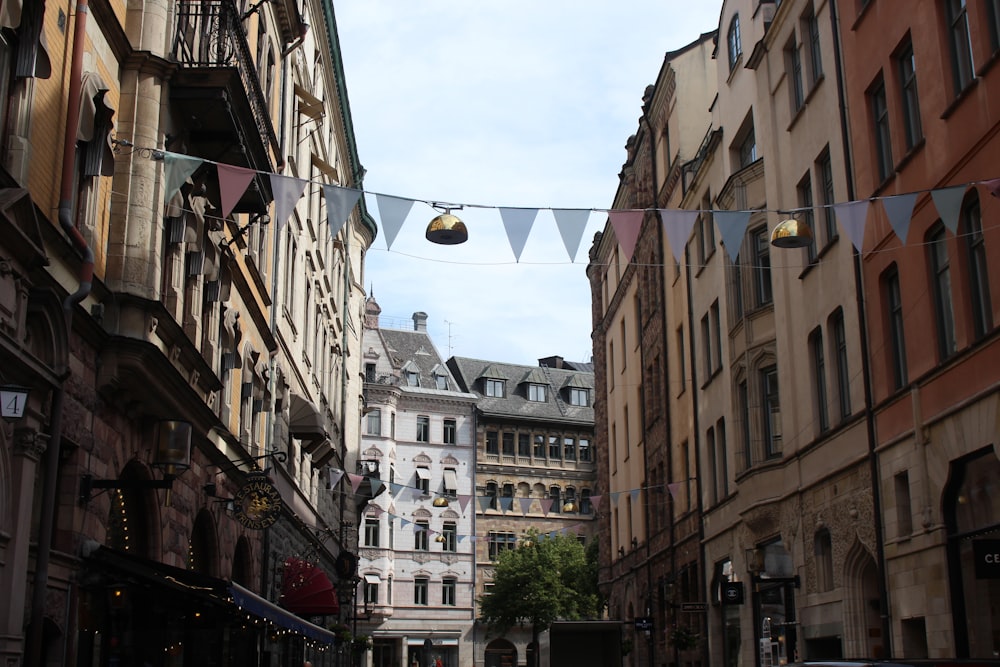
[518, 223]
[732, 226]
[339, 203]
[899, 210]
[949, 205]
[571, 224]
[393, 212]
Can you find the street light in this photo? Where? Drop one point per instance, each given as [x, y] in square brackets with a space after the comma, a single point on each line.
[13, 399]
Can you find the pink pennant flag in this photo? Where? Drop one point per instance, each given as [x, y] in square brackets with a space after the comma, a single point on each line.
[546, 505]
[287, 192]
[355, 481]
[678, 225]
[595, 501]
[233, 182]
[673, 488]
[525, 504]
[463, 501]
[627, 224]
[993, 186]
[852, 216]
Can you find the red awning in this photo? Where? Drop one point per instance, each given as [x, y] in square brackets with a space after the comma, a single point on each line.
[307, 590]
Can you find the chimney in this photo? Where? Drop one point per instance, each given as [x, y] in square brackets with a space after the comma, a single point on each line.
[420, 321]
[551, 362]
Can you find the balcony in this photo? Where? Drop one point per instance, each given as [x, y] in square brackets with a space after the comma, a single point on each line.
[219, 106]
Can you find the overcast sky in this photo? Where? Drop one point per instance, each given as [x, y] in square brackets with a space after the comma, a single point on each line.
[488, 104]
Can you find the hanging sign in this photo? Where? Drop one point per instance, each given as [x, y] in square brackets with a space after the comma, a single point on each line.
[987, 558]
[257, 504]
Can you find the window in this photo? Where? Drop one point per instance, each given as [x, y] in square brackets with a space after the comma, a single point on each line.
[706, 336]
[723, 456]
[423, 428]
[369, 372]
[555, 496]
[500, 542]
[823, 550]
[412, 379]
[421, 533]
[371, 531]
[824, 168]
[819, 378]
[682, 373]
[811, 27]
[448, 592]
[374, 425]
[896, 342]
[941, 277]
[771, 417]
[733, 41]
[839, 333]
[578, 396]
[424, 479]
[536, 393]
[494, 388]
[793, 62]
[911, 102]
[805, 212]
[371, 590]
[586, 507]
[524, 445]
[539, 446]
[508, 443]
[979, 279]
[993, 8]
[883, 138]
[492, 493]
[963, 67]
[569, 449]
[706, 232]
[904, 511]
[554, 447]
[450, 534]
[713, 465]
[714, 320]
[743, 396]
[748, 148]
[441, 381]
[450, 431]
[492, 443]
[583, 445]
[450, 481]
[420, 591]
[761, 266]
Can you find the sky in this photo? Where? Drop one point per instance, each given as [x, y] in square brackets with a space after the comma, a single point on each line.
[488, 104]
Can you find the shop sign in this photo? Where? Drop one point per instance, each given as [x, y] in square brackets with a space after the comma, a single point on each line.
[257, 504]
[987, 557]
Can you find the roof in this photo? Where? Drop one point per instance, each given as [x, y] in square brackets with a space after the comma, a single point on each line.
[469, 373]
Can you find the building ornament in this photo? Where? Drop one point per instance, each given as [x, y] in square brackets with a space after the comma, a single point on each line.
[29, 443]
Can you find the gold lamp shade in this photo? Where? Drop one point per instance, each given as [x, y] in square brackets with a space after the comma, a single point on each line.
[791, 233]
[447, 229]
[440, 501]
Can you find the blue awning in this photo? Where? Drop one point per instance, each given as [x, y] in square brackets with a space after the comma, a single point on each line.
[254, 604]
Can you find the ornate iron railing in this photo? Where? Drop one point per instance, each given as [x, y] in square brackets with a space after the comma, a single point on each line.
[211, 34]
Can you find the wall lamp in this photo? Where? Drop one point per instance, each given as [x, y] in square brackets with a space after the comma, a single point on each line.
[263, 219]
[13, 399]
[172, 457]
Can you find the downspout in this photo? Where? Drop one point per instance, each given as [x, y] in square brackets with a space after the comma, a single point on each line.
[50, 482]
[884, 606]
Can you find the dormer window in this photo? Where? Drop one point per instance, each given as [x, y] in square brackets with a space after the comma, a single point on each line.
[441, 381]
[536, 392]
[494, 387]
[412, 379]
[578, 396]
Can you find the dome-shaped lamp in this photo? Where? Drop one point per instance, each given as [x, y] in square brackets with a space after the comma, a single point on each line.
[447, 229]
[791, 233]
[570, 506]
[440, 501]
[439, 539]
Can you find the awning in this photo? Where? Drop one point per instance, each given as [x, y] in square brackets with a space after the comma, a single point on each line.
[450, 480]
[372, 579]
[307, 590]
[436, 641]
[253, 603]
[423, 473]
[305, 420]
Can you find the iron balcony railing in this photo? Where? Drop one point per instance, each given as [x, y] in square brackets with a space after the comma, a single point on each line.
[211, 34]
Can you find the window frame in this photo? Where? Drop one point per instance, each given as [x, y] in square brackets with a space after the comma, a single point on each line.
[450, 431]
[494, 388]
[818, 358]
[449, 588]
[423, 433]
[420, 590]
[977, 263]
[761, 246]
[895, 329]
[909, 93]
[941, 286]
[771, 411]
[838, 329]
[963, 63]
[881, 129]
[373, 423]
[536, 392]
[373, 528]
[421, 535]
[734, 42]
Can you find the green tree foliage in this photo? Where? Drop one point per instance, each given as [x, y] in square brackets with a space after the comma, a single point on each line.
[546, 578]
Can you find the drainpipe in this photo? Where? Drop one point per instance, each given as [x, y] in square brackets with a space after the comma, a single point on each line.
[52, 452]
[883, 590]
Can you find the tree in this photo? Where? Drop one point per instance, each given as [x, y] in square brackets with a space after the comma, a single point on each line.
[546, 578]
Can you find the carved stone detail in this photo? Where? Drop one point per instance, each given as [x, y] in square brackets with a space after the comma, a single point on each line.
[29, 443]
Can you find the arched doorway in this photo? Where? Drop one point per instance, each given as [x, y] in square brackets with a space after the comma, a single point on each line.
[862, 620]
[500, 653]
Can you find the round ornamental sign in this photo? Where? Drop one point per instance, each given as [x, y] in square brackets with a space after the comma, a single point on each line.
[257, 504]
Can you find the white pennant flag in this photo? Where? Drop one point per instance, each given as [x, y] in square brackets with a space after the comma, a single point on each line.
[678, 225]
[852, 216]
[393, 212]
[339, 204]
[518, 223]
[287, 192]
[571, 223]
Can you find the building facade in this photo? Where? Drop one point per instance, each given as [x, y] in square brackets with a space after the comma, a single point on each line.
[418, 534]
[535, 469]
[162, 486]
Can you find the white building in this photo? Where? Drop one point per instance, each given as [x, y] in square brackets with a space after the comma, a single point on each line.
[417, 561]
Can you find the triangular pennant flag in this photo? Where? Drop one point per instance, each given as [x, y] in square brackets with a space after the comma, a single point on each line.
[525, 504]
[852, 216]
[506, 504]
[376, 484]
[949, 205]
[614, 497]
[393, 212]
[403, 523]
[463, 501]
[518, 223]
[993, 186]
[233, 182]
[485, 503]
[339, 204]
[627, 225]
[546, 505]
[595, 501]
[635, 495]
[899, 210]
[335, 476]
[287, 192]
[355, 481]
[395, 488]
[571, 223]
[461, 538]
[417, 528]
[732, 226]
[678, 225]
[176, 169]
[673, 488]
